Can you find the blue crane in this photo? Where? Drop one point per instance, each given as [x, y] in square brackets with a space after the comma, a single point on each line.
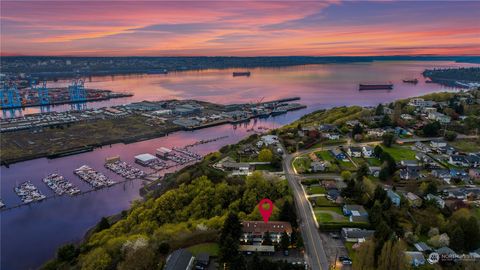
[10, 96]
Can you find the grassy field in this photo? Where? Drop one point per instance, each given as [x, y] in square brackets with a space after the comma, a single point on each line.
[323, 201]
[324, 155]
[330, 214]
[210, 248]
[315, 190]
[347, 165]
[374, 162]
[466, 145]
[400, 153]
[302, 164]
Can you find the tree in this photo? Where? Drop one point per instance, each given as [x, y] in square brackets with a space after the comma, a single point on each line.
[284, 241]
[386, 121]
[388, 139]
[365, 258]
[457, 242]
[103, 224]
[450, 136]
[379, 109]
[267, 239]
[392, 256]
[377, 151]
[229, 235]
[472, 234]
[362, 171]
[98, 259]
[357, 129]
[67, 253]
[346, 175]
[432, 129]
[265, 155]
[287, 213]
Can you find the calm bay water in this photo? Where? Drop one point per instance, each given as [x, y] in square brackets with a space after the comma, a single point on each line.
[31, 234]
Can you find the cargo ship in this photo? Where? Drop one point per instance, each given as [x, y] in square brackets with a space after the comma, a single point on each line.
[375, 87]
[414, 81]
[246, 73]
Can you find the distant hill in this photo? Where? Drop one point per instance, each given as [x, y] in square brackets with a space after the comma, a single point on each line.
[66, 66]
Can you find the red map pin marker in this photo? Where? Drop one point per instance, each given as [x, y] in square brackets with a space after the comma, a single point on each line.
[265, 212]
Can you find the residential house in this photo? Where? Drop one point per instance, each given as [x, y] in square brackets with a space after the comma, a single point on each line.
[356, 213]
[443, 174]
[374, 170]
[413, 199]
[401, 131]
[333, 194]
[474, 174]
[377, 132]
[405, 116]
[253, 231]
[458, 160]
[261, 249]
[352, 123]
[438, 144]
[367, 151]
[339, 155]
[425, 159]
[332, 136]
[456, 194]
[440, 117]
[415, 258]
[410, 173]
[269, 139]
[327, 127]
[473, 160]
[394, 197]
[318, 166]
[422, 147]
[409, 163]
[428, 110]
[387, 110]
[180, 259]
[354, 152]
[437, 199]
[356, 235]
[422, 247]
[454, 204]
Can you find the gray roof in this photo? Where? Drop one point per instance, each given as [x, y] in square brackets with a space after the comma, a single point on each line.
[445, 250]
[421, 246]
[357, 233]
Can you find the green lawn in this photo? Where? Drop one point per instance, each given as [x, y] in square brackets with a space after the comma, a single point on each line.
[323, 201]
[351, 252]
[323, 217]
[302, 164]
[266, 167]
[210, 248]
[466, 145]
[400, 153]
[346, 165]
[324, 155]
[374, 162]
[315, 190]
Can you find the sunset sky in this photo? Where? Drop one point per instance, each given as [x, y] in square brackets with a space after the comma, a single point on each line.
[239, 28]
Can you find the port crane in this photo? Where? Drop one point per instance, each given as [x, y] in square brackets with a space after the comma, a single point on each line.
[10, 96]
[77, 91]
[42, 91]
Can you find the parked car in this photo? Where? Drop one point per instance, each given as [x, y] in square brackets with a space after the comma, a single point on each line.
[334, 235]
[345, 260]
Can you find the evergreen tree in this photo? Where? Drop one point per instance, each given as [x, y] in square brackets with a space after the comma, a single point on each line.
[285, 241]
[379, 109]
[267, 239]
[457, 240]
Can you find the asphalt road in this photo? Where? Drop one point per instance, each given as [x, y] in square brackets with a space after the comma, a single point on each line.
[316, 257]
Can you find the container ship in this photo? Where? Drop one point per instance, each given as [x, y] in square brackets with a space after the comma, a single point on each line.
[246, 73]
[414, 81]
[375, 87]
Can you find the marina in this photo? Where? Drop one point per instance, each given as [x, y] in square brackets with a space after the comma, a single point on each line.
[29, 193]
[94, 178]
[60, 185]
[124, 169]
